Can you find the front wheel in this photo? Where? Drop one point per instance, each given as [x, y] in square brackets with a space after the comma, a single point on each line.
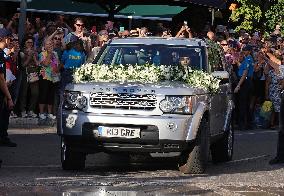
[71, 160]
[196, 160]
[222, 150]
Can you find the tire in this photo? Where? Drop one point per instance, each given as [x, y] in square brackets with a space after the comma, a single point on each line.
[222, 150]
[195, 161]
[71, 160]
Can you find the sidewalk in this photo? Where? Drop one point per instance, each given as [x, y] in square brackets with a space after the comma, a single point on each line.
[19, 122]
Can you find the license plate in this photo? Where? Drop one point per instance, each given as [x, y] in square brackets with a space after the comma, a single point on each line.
[120, 132]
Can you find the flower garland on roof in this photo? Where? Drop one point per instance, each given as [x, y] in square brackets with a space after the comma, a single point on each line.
[145, 74]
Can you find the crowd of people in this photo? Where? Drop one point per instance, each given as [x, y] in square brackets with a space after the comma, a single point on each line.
[256, 63]
[34, 74]
[42, 65]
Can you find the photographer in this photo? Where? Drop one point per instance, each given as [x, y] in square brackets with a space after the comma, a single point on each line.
[80, 34]
[29, 80]
[13, 23]
[166, 32]
[278, 66]
[183, 31]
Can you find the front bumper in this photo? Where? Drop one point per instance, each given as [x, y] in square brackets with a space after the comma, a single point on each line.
[166, 133]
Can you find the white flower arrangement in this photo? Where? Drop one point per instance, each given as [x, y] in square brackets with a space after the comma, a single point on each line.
[145, 74]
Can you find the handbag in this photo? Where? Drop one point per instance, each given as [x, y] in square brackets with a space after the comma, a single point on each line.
[266, 110]
[32, 75]
[55, 77]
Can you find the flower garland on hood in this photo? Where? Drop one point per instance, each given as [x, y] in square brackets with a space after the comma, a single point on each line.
[145, 74]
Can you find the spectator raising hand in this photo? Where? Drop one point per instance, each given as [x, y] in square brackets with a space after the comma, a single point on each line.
[184, 32]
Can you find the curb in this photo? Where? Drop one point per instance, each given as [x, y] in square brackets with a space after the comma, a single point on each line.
[30, 123]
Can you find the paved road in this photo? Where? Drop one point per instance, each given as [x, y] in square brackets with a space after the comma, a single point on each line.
[33, 168]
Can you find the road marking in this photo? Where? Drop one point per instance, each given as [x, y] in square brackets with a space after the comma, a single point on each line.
[216, 189]
[59, 166]
[249, 159]
[31, 166]
[263, 191]
[255, 133]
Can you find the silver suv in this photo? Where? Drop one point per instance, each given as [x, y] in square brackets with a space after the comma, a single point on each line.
[135, 118]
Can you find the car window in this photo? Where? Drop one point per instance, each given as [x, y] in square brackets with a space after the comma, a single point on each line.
[152, 54]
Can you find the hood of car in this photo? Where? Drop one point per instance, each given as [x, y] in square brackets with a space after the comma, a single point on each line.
[162, 88]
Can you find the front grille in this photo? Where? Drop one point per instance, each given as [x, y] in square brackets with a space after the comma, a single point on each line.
[123, 101]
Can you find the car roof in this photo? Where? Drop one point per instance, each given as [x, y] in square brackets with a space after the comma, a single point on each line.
[159, 41]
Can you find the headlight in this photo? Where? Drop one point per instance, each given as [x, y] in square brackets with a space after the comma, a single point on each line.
[74, 100]
[177, 104]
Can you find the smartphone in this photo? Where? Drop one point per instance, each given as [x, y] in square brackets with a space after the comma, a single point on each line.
[121, 29]
[185, 23]
[1, 26]
[86, 34]
[60, 29]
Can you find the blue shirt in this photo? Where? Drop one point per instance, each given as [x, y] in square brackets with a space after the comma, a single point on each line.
[73, 58]
[247, 64]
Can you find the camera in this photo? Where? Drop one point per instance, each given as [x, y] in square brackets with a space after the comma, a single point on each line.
[86, 34]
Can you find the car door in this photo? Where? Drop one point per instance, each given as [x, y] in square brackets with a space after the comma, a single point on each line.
[219, 101]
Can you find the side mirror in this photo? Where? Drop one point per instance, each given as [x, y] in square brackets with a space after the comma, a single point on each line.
[223, 75]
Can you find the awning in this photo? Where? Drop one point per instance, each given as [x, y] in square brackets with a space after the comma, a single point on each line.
[16, 1]
[150, 12]
[66, 7]
[220, 4]
[163, 12]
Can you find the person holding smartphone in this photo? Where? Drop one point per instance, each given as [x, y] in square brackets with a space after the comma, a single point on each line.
[185, 31]
[80, 33]
[278, 65]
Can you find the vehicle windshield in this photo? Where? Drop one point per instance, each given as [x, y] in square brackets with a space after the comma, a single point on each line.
[152, 54]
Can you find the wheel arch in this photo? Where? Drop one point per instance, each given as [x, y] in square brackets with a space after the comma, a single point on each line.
[200, 113]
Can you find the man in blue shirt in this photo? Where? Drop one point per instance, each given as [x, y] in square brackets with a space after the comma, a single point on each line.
[71, 59]
[245, 74]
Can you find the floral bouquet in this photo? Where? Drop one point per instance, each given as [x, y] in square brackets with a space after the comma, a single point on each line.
[145, 74]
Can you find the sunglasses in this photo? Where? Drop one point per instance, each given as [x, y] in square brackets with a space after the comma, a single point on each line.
[29, 42]
[57, 38]
[80, 25]
[224, 44]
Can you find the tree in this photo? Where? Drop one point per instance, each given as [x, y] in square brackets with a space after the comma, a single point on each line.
[249, 13]
[275, 15]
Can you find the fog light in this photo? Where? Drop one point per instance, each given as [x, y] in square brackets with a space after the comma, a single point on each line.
[172, 126]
